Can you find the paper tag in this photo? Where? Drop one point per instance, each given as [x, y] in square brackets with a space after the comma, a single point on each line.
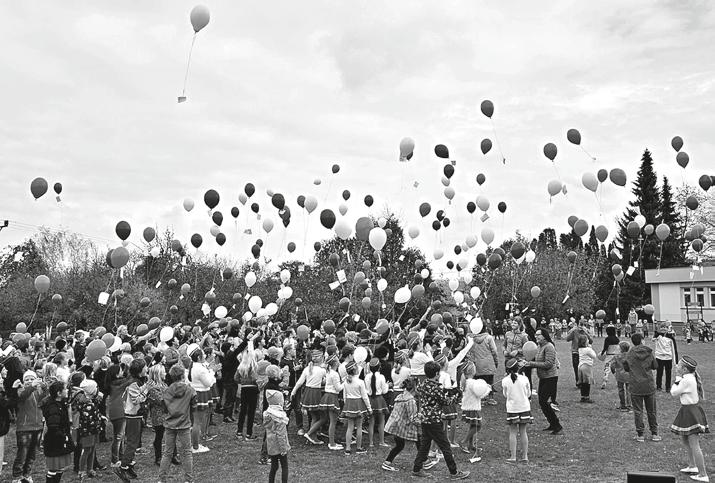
[183, 261]
[247, 231]
[301, 268]
[258, 216]
[402, 258]
[565, 299]
[181, 297]
[630, 271]
[341, 276]
[158, 284]
[506, 307]
[454, 162]
[58, 199]
[206, 309]
[334, 285]
[416, 184]
[484, 217]
[384, 306]
[356, 317]
[247, 296]
[121, 272]
[635, 263]
[464, 304]
[469, 317]
[103, 298]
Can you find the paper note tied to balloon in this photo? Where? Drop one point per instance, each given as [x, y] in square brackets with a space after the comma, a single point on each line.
[566, 299]
[416, 184]
[206, 309]
[341, 276]
[356, 318]
[181, 99]
[247, 231]
[484, 217]
[103, 298]
[334, 285]
[630, 271]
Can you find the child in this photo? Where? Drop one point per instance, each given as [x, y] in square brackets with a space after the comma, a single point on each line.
[90, 425]
[688, 334]
[586, 357]
[691, 420]
[275, 422]
[471, 409]
[157, 411]
[610, 350]
[376, 387]
[402, 423]
[180, 402]
[134, 398]
[313, 377]
[627, 330]
[329, 403]
[58, 445]
[29, 424]
[400, 372]
[622, 377]
[517, 391]
[357, 403]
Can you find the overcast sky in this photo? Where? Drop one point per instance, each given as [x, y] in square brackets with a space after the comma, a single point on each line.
[280, 91]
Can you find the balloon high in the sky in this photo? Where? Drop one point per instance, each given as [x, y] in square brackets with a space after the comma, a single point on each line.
[38, 187]
[199, 18]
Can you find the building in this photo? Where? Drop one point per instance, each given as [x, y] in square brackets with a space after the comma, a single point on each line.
[682, 293]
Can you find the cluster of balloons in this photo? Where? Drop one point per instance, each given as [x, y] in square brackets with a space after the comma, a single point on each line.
[39, 186]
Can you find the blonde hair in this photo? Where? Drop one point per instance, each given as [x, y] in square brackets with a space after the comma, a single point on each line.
[49, 372]
[157, 374]
[468, 372]
[247, 365]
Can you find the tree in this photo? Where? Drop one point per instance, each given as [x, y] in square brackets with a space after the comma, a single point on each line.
[673, 251]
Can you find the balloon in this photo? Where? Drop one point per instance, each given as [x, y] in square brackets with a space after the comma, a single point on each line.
[418, 291]
[21, 328]
[166, 334]
[483, 203]
[450, 264]
[217, 218]
[600, 314]
[196, 240]
[368, 201]
[382, 284]
[448, 170]
[123, 230]
[481, 179]
[382, 326]
[425, 209]
[677, 143]
[487, 108]
[458, 297]
[145, 302]
[249, 189]
[407, 147]
[316, 246]
[445, 222]
[154, 322]
[571, 256]
[487, 235]
[517, 250]
[310, 203]
[291, 247]
[255, 303]
[38, 187]
[476, 325]
[438, 253]
[449, 193]
[42, 283]
[211, 198]
[494, 261]
[188, 204]
[682, 159]
[58, 188]
[267, 225]
[243, 198]
[648, 229]
[640, 220]
[57, 298]
[601, 233]
[142, 330]
[698, 230]
[529, 350]
[249, 279]
[692, 202]
[362, 228]
[441, 151]
[589, 181]
[486, 145]
[535, 291]
[327, 218]
[580, 227]
[335, 168]
[360, 354]
[616, 269]
[377, 238]
[256, 250]
[95, 350]
[220, 239]
[573, 136]
[185, 289]
[530, 256]
[453, 285]
[554, 187]
[108, 339]
[649, 309]
[413, 231]
[119, 257]
[234, 212]
[255, 208]
[697, 245]
[278, 200]
[633, 229]
[550, 151]
[199, 17]
[501, 207]
[602, 175]
[618, 177]
[705, 182]
[572, 220]
[214, 230]
[403, 295]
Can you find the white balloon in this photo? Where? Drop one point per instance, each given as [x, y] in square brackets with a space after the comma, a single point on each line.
[438, 253]
[475, 326]
[267, 225]
[220, 312]
[377, 238]
[360, 354]
[467, 277]
[269, 192]
[188, 204]
[311, 203]
[471, 241]
[261, 313]
[287, 293]
[453, 285]
[403, 295]
[343, 208]
[483, 203]
[445, 180]
[589, 181]
[413, 231]
[640, 219]
[155, 252]
[247, 316]
[382, 284]
[343, 229]
[424, 273]
[487, 235]
[554, 187]
[458, 297]
[165, 335]
[407, 147]
[530, 256]
[285, 275]
[381, 222]
[475, 292]
[463, 262]
[242, 198]
[255, 303]
[449, 193]
[271, 309]
[250, 279]
[214, 230]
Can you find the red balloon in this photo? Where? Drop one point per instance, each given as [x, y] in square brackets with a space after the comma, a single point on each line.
[211, 198]
[487, 108]
[327, 218]
[441, 151]
[550, 151]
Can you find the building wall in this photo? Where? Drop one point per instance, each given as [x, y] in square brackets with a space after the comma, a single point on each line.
[669, 305]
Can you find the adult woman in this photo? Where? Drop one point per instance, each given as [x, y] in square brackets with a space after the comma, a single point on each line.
[58, 445]
[201, 379]
[116, 384]
[246, 378]
[665, 353]
[486, 360]
[547, 369]
[514, 340]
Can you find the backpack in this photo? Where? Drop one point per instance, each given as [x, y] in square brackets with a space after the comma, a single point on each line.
[90, 419]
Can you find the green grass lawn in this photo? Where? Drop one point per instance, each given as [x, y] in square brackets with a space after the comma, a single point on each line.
[597, 444]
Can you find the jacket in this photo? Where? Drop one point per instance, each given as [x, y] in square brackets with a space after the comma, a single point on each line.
[514, 342]
[134, 400]
[275, 422]
[639, 363]
[484, 355]
[403, 421]
[155, 403]
[29, 414]
[546, 361]
[57, 439]
[618, 370]
[115, 397]
[180, 401]
[432, 397]
[573, 334]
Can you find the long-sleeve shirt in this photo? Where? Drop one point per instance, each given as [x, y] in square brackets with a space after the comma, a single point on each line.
[546, 361]
[399, 377]
[664, 348]
[355, 389]
[517, 393]
[431, 397]
[470, 401]
[687, 389]
[417, 363]
[333, 383]
[381, 386]
[136, 395]
[202, 378]
[310, 378]
[586, 356]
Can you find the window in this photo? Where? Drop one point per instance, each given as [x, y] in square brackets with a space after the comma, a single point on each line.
[686, 297]
[700, 296]
[712, 297]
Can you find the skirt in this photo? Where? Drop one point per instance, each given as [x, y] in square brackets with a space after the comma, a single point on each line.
[58, 463]
[311, 398]
[202, 399]
[519, 418]
[215, 396]
[691, 419]
[585, 374]
[378, 404]
[354, 408]
[88, 441]
[471, 415]
[330, 402]
[449, 412]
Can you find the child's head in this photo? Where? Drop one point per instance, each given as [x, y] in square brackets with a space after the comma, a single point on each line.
[582, 341]
[76, 378]
[157, 373]
[637, 338]
[432, 369]
[374, 365]
[177, 372]
[89, 387]
[409, 385]
[332, 362]
[441, 359]
[137, 367]
[689, 366]
[29, 377]
[274, 398]
[625, 346]
[273, 372]
[469, 370]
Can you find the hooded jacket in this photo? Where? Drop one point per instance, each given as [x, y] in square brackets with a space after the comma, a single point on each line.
[29, 414]
[275, 421]
[639, 363]
[180, 401]
[484, 354]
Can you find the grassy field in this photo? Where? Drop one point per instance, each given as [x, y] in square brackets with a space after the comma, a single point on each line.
[597, 444]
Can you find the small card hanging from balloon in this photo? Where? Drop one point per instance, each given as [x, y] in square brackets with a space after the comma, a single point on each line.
[181, 99]
[121, 273]
[258, 216]
[103, 298]
[183, 261]
[301, 268]
[158, 284]
[206, 309]
[454, 162]
[341, 276]
[484, 217]
[247, 231]
[356, 318]
[468, 317]
[247, 296]
[402, 258]
[347, 254]
[58, 199]
[506, 307]
[635, 263]
[384, 306]
[334, 285]
[630, 271]
[181, 297]
[416, 184]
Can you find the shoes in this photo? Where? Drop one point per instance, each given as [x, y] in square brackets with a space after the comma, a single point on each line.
[250, 437]
[132, 474]
[387, 466]
[360, 451]
[336, 447]
[466, 450]
[491, 402]
[454, 445]
[175, 461]
[690, 470]
[432, 454]
[550, 428]
[421, 474]
[121, 474]
[555, 407]
[603, 386]
[700, 478]
[311, 440]
[476, 459]
[558, 431]
[639, 438]
[200, 449]
[301, 432]
[347, 452]
[459, 475]
[429, 464]
[385, 445]
[656, 438]
[142, 451]
[210, 437]
[263, 461]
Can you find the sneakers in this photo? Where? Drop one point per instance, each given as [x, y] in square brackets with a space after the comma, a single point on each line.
[555, 407]
[301, 432]
[639, 438]
[432, 454]
[429, 464]
[704, 478]
[454, 445]
[476, 459]
[421, 474]
[603, 386]
[548, 428]
[132, 474]
[558, 431]
[459, 475]
[311, 440]
[360, 451]
[491, 402]
[387, 466]
[335, 447]
[656, 438]
[200, 449]
[690, 470]
[210, 437]
[121, 474]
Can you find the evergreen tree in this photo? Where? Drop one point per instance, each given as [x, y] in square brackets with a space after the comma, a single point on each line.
[673, 252]
[644, 249]
[591, 247]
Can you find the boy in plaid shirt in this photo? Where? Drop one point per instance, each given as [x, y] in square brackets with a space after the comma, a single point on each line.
[431, 397]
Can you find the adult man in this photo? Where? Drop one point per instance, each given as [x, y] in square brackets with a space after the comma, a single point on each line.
[640, 364]
[573, 336]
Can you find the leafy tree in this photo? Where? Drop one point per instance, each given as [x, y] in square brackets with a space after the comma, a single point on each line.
[673, 251]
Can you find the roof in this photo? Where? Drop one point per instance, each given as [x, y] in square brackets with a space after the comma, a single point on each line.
[680, 274]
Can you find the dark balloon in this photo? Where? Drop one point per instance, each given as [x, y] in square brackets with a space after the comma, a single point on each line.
[363, 227]
[448, 170]
[149, 234]
[502, 207]
[457, 249]
[123, 230]
[278, 201]
[234, 212]
[441, 151]
[249, 189]
[436, 225]
[301, 201]
[481, 259]
[602, 175]
[572, 220]
[196, 240]
[259, 242]
[517, 250]
[494, 261]
[334, 259]
[316, 246]
[705, 182]
[692, 202]
[327, 219]
[425, 209]
[500, 251]
[486, 145]
[369, 201]
[409, 156]
[217, 217]
[550, 151]
[388, 231]
[220, 239]
[481, 179]
[450, 264]
[291, 247]
[471, 207]
[176, 245]
[682, 159]
[487, 108]
[255, 207]
[256, 251]
[211, 199]
[346, 195]
[446, 222]
[573, 136]
[58, 188]
[109, 258]
[677, 143]
[336, 168]
[440, 215]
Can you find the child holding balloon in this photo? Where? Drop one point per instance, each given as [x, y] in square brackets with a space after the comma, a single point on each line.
[517, 391]
[473, 390]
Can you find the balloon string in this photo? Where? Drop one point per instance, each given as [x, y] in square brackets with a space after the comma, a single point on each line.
[496, 138]
[593, 158]
[37, 306]
[186, 75]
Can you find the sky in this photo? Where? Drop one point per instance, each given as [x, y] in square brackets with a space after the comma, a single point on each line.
[280, 91]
